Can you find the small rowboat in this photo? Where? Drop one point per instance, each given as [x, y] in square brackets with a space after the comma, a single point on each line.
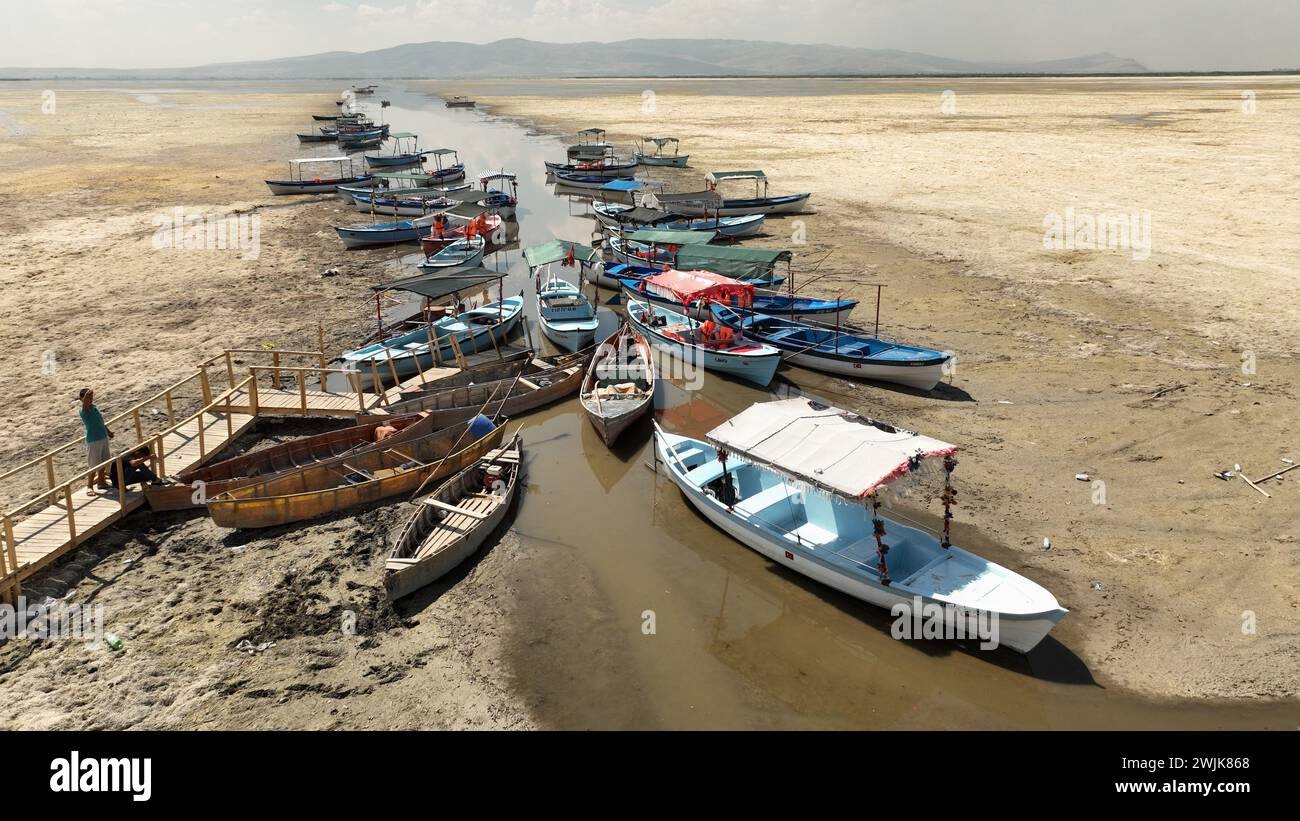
[316, 138]
[431, 243]
[580, 179]
[510, 397]
[839, 352]
[608, 213]
[481, 329]
[682, 337]
[461, 252]
[566, 315]
[609, 169]
[384, 233]
[620, 384]
[454, 520]
[195, 486]
[353, 479]
[658, 157]
[459, 102]
[297, 184]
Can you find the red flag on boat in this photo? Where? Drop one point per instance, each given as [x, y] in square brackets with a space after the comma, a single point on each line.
[569, 260]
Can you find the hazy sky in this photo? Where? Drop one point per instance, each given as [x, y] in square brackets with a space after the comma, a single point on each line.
[1163, 34]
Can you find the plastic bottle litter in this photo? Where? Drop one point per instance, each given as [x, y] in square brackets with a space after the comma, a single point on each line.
[113, 642]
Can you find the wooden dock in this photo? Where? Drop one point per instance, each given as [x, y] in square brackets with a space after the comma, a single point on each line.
[39, 531]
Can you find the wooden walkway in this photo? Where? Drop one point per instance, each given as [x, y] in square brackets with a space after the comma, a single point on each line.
[39, 532]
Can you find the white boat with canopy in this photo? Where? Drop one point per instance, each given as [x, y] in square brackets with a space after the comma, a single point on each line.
[711, 203]
[298, 184]
[659, 156]
[801, 483]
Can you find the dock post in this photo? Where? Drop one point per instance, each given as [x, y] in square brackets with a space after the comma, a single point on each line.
[49, 469]
[72, 515]
[230, 371]
[252, 392]
[275, 374]
[207, 388]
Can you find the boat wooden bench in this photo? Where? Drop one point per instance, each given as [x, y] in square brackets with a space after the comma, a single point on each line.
[441, 505]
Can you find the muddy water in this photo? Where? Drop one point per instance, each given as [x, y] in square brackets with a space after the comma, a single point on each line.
[736, 641]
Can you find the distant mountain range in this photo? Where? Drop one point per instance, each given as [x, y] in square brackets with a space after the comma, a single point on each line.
[626, 58]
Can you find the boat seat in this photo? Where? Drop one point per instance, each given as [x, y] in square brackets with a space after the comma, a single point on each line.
[705, 473]
[811, 534]
[441, 505]
[756, 504]
[685, 456]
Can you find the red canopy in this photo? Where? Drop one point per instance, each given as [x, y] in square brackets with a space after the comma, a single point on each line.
[688, 287]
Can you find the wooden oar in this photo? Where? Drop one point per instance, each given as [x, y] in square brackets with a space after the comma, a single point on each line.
[438, 467]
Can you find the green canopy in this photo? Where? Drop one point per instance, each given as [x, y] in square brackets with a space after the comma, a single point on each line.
[556, 250]
[441, 151]
[661, 236]
[401, 135]
[714, 176]
[731, 260]
[443, 283]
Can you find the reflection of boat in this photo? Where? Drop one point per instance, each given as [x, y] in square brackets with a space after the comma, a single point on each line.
[453, 521]
[620, 384]
[804, 492]
[353, 479]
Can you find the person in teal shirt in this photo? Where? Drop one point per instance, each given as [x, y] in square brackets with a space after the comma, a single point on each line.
[97, 436]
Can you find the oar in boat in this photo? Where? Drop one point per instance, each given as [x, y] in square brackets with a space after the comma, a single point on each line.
[522, 367]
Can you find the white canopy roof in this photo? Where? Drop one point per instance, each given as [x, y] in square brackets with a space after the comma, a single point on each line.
[833, 449]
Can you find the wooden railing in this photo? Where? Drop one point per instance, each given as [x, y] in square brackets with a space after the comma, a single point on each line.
[62, 492]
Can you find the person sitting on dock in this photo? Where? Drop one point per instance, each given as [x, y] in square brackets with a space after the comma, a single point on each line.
[97, 436]
[135, 468]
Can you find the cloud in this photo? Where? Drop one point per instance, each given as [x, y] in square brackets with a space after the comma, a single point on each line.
[364, 10]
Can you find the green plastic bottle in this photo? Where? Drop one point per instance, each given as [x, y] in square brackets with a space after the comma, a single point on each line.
[113, 642]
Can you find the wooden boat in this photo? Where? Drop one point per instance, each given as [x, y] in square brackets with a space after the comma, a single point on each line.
[297, 184]
[510, 397]
[453, 521]
[434, 241]
[481, 329]
[658, 157]
[704, 203]
[240, 470]
[566, 315]
[325, 118]
[771, 304]
[459, 102]
[503, 203]
[385, 233]
[617, 215]
[492, 371]
[580, 180]
[839, 351]
[405, 152]
[607, 167]
[808, 506]
[316, 138]
[682, 337]
[462, 252]
[353, 479]
[619, 387]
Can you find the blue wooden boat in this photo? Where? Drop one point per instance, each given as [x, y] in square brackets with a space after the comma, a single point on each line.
[473, 331]
[405, 152]
[782, 491]
[316, 138]
[617, 215]
[821, 310]
[580, 180]
[609, 168]
[683, 338]
[840, 352]
[468, 251]
[567, 317]
[298, 184]
[385, 233]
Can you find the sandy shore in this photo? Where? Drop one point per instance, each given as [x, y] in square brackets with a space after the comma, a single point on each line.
[1120, 364]
[82, 277]
[1076, 361]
